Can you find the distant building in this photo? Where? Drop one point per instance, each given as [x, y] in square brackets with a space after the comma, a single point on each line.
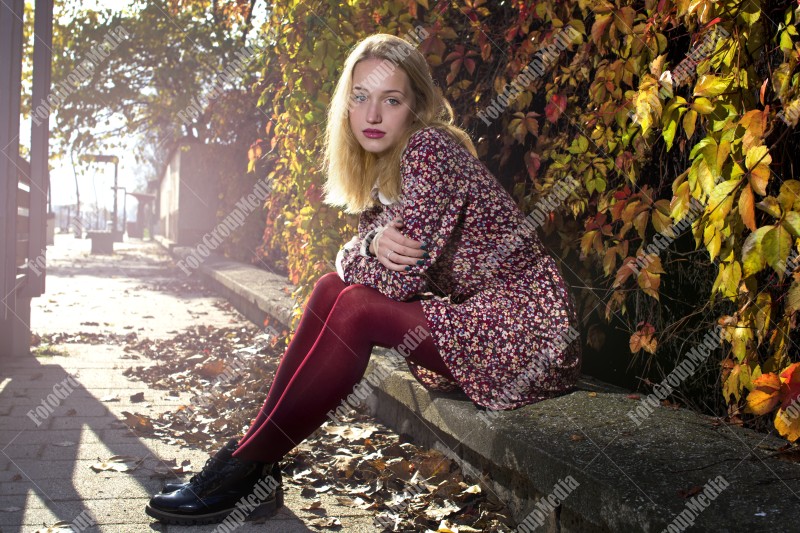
[187, 194]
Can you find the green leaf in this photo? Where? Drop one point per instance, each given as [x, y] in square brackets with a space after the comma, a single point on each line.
[776, 245]
[721, 199]
[753, 259]
[793, 298]
[792, 223]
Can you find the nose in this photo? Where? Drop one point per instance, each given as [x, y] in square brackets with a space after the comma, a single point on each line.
[374, 112]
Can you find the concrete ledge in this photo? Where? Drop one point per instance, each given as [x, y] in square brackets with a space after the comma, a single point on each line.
[166, 243]
[629, 477]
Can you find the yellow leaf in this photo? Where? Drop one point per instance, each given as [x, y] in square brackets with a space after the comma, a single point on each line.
[787, 425]
[709, 85]
[721, 199]
[764, 397]
[757, 155]
[689, 120]
[643, 340]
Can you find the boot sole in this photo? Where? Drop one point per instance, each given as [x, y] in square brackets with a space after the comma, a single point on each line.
[265, 510]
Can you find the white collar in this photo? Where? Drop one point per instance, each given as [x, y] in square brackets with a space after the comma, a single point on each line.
[380, 196]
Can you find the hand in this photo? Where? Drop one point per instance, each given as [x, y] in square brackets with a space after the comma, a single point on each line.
[402, 251]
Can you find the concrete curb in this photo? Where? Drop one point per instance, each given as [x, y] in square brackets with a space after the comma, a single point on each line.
[622, 477]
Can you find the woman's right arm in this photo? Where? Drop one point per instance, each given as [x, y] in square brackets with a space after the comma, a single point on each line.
[367, 221]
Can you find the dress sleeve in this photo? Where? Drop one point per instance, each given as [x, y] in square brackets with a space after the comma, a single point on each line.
[433, 199]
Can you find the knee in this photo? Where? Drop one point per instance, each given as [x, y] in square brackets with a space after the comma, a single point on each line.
[356, 292]
[330, 279]
[354, 300]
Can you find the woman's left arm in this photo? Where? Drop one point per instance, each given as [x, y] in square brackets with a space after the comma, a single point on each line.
[434, 197]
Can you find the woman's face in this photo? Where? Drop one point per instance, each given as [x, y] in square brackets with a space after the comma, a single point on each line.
[381, 107]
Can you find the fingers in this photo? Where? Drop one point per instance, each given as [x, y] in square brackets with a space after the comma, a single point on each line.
[404, 245]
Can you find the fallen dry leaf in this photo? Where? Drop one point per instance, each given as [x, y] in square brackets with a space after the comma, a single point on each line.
[118, 463]
[138, 422]
[328, 522]
[439, 512]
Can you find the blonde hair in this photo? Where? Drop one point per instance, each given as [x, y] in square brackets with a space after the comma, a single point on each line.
[352, 171]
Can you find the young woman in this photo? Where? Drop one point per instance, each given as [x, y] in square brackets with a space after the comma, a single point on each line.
[441, 249]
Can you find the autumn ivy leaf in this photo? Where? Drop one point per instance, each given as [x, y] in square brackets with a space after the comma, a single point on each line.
[727, 281]
[753, 259]
[757, 161]
[776, 245]
[732, 382]
[790, 385]
[770, 206]
[793, 298]
[753, 122]
[721, 200]
[643, 339]
[747, 208]
[702, 106]
[555, 107]
[710, 86]
[689, 121]
[764, 397]
[599, 27]
[649, 278]
[788, 426]
[792, 223]
[789, 195]
[579, 145]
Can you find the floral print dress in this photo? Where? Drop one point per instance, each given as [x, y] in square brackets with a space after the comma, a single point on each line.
[496, 304]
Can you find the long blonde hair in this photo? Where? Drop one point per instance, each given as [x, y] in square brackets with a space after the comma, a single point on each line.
[352, 171]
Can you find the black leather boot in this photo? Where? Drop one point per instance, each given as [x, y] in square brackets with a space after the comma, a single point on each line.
[220, 489]
[213, 463]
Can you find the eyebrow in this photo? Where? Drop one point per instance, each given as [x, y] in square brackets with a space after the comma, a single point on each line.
[360, 88]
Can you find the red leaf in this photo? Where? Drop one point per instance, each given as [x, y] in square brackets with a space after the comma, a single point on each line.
[555, 107]
[790, 386]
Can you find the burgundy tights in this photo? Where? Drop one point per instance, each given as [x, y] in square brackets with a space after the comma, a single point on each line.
[326, 358]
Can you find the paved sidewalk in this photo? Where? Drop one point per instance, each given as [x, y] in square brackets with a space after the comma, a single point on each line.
[47, 453]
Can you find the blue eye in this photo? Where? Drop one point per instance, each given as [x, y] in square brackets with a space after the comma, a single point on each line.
[393, 101]
[359, 97]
